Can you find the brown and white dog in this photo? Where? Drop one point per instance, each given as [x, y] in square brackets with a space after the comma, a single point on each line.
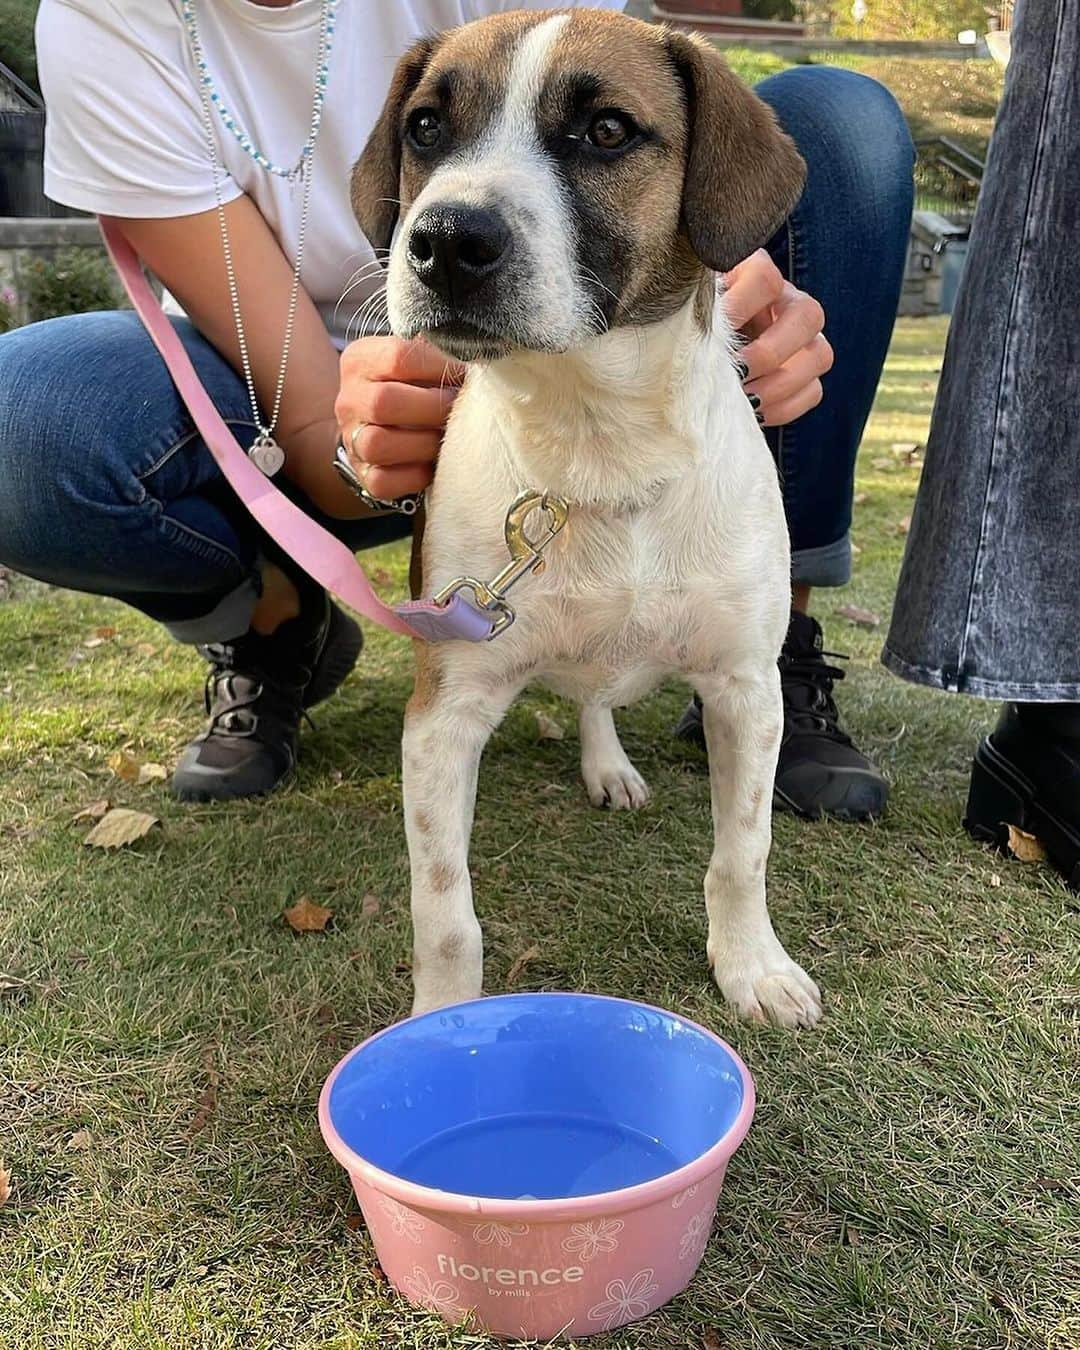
[567, 184]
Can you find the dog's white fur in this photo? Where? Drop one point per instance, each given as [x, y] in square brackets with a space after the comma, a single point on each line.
[675, 562]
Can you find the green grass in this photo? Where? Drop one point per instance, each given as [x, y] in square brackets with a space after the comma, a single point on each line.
[910, 1178]
[958, 99]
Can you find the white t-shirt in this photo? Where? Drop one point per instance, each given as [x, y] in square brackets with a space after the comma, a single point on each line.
[125, 134]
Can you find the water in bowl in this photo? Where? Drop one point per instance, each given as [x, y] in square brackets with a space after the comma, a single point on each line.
[538, 1155]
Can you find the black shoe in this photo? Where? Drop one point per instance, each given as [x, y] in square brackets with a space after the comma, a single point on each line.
[257, 690]
[819, 772]
[1027, 773]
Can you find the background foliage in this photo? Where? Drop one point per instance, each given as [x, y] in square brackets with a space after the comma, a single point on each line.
[17, 38]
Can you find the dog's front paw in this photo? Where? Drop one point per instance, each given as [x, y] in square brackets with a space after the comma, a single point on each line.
[765, 985]
[614, 783]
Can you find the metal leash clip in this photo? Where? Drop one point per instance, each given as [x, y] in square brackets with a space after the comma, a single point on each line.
[525, 557]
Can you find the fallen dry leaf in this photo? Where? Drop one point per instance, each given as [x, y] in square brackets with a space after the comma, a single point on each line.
[381, 577]
[370, 905]
[125, 765]
[861, 498]
[94, 811]
[119, 827]
[902, 526]
[94, 642]
[852, 1236]
[881, 463]
[711, 1341]
[907, 452]
[995, 880]
[105, 633]
[855, 549]
[204, 1110]
[151, 773]
[1025, 846]
[547, 729]
[146, 649]
[5, 1183]
[353, 1222]
[514, 973]
[307, 917]
[80, 1141]
[861, 618]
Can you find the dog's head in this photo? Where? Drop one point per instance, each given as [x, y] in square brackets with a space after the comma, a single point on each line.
[560, 173]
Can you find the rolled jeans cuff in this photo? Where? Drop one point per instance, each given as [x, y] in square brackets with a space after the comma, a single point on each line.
[229, 619]
[829, 565]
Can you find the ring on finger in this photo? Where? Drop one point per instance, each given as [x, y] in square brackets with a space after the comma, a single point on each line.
[356, 432]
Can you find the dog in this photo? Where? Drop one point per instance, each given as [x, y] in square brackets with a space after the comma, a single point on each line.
[557, 191]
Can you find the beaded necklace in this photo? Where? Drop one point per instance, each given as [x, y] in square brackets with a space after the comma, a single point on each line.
[322, 74]
[264, 452]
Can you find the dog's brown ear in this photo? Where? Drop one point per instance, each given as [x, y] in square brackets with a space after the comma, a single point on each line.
[376, 175]
[743, 174]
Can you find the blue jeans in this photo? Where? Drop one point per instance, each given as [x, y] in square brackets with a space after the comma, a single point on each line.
[107, 488]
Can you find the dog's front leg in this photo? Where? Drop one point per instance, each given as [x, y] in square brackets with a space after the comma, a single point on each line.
[444, 738]
[743, 716]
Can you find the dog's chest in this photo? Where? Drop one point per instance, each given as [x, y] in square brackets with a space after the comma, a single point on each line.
[617, 606]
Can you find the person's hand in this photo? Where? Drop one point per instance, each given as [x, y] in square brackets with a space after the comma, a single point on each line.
[391, 411]
[787, 352]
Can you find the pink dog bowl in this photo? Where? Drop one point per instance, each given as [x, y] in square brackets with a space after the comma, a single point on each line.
[548, 1163]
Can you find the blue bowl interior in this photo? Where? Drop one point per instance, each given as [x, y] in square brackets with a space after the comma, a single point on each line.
[537, 1096]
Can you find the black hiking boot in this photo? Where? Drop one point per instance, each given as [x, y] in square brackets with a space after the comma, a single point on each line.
[820, 772]
[257, 690]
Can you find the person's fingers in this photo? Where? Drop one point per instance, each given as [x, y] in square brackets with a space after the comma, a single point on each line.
[389, 403]
[797, 319]
[385, 446]
[407, 362]
[794, 375]
[752, 286]
[397, 481]
[787, 411]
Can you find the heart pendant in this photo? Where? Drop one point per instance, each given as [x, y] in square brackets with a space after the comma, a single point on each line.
[266, 455]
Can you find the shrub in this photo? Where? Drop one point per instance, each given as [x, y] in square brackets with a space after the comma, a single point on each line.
[72, 281]
[17, 39]
[7, 309]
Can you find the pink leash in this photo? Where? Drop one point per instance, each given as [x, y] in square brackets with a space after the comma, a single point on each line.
[322, 556]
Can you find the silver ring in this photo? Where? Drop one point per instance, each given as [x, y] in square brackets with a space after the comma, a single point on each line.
[356, 432]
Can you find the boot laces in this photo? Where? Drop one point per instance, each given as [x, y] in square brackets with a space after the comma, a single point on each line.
[229, 695]
[807, 681]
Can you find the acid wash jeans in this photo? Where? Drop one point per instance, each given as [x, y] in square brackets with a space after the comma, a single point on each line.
[989, 596]
[106, 487]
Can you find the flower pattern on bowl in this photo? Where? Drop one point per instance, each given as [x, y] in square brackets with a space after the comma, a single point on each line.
[683, 1196]
[588, 1240]
[625, 1300]
[437, 1294]
[498, 1234]
[696, 1236]
[403, 1222]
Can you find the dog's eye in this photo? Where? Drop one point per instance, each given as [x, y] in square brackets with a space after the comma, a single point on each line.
[610, 131]
[425, 128]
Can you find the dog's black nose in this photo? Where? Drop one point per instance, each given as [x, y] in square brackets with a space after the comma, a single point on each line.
[454, 249]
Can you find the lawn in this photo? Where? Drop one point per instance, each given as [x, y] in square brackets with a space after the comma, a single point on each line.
[910, 1179]
[951, 98]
